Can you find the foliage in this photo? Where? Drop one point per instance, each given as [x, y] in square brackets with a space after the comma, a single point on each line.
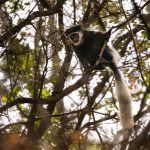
[46, 102]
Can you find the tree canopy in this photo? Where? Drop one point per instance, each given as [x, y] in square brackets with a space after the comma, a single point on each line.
[46, 101]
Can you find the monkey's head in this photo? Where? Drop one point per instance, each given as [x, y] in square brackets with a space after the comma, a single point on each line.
[75, 35]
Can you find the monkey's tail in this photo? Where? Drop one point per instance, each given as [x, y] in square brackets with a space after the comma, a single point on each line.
[124, 98]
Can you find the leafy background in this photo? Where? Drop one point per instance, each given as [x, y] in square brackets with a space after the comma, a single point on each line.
[45, 101]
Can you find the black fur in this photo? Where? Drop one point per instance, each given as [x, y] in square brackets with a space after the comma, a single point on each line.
[88, 51]
[88, 45]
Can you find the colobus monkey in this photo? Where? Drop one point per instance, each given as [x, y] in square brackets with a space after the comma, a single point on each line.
[91, 47]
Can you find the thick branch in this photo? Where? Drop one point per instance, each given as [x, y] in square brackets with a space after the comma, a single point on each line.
[128, 34]
[22, 101]
[28, 20]
[140, 139]
[97, 91]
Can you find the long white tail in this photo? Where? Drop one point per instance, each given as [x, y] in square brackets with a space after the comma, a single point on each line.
[123, 96]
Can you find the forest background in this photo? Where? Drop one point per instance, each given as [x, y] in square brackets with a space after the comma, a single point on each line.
[45, 101]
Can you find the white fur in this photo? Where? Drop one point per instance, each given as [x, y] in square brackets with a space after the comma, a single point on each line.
[125, 107]
[80, 38]
[123, 95]
[115, 54]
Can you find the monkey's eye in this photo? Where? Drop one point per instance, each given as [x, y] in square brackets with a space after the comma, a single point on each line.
[76, 38]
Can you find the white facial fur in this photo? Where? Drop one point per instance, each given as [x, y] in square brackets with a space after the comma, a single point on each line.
[80, 40]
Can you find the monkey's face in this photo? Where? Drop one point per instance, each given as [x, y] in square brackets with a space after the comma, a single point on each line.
[76, 38]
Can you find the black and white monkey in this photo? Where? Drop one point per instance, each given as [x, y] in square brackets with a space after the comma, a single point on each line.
[91, 48]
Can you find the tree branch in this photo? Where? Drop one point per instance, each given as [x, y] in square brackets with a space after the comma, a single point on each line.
[28, 20]
[22, 100]
[98, 121]
[138, 11]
